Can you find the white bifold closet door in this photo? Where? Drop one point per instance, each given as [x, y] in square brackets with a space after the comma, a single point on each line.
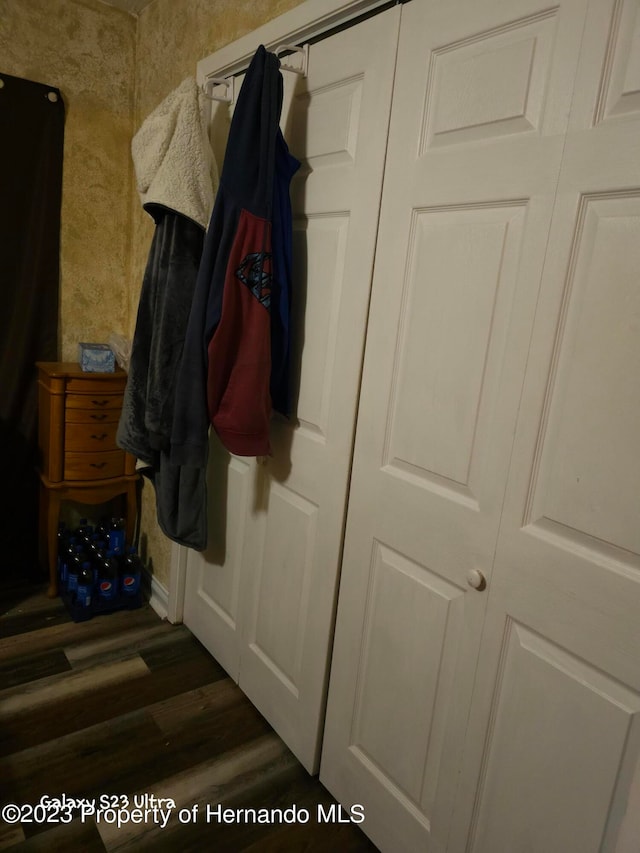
[262, 597]
[485, 683]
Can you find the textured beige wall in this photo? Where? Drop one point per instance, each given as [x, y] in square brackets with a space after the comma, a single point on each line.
[172, 37]
[87, 50]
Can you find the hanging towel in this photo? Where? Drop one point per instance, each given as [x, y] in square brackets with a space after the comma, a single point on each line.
[175, 173]
[243, 289]
[174, 164]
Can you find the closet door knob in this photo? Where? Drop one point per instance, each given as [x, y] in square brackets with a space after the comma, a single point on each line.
[476, 579]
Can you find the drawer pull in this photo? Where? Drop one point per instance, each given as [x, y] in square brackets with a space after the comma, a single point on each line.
[97, 464]
[100, 402]
[99, 417]
[100, 437]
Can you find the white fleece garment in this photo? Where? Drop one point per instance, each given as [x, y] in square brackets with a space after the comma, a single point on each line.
[172, 156]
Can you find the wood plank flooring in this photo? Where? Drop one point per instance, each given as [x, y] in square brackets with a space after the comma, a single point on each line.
[130, 707]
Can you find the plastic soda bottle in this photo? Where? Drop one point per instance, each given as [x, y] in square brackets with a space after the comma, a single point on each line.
[107, 577]
[73, 570]
[85, 585]
[130, 573]
[116, 536]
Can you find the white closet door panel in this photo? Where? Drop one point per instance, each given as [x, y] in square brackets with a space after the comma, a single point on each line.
[337, 125]
[212, 586]
[553, 748]
[285, 518]
[480, 107]
[560, 752]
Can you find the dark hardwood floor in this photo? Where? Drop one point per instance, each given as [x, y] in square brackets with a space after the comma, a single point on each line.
[124, 708]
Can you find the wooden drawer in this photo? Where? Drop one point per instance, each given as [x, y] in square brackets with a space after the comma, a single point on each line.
[91, 416]
[88, 383]
[93, 466]
[90, 437]
[94, 402]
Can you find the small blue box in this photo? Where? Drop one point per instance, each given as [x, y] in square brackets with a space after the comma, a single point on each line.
[96, 358]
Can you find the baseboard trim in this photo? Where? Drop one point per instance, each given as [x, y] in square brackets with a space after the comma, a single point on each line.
[157, 594]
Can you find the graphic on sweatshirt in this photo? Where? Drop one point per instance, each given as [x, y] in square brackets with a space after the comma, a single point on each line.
[255, 272]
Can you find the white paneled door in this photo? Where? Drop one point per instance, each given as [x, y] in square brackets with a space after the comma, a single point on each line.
[262, 598]
[485, 683]
[553, 748]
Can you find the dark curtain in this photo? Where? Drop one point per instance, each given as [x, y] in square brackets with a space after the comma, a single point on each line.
[31, 146]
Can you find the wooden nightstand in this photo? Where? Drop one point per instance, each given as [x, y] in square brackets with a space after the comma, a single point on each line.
[78, 416]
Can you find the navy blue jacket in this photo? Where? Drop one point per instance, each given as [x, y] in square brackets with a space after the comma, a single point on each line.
[235, 362]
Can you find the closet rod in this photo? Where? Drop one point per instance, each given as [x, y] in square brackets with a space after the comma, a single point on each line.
[353, 22]
[228, 80]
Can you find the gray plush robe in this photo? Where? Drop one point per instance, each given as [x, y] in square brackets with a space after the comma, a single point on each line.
[176, 175]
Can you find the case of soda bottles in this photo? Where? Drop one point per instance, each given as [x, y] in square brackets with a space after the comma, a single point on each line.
[98, 572]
